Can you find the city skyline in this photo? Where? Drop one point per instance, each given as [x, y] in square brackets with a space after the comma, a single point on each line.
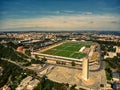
[59, 15]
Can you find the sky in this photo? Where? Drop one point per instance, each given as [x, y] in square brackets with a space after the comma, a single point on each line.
[59, 15]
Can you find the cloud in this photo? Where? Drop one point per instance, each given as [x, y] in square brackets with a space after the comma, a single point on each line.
[68, 11]
[50, 12]
[91, 22]
[87, 13]
[115, 22]
[64, 22]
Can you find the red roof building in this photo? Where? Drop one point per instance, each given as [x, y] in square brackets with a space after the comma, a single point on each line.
[20, 49]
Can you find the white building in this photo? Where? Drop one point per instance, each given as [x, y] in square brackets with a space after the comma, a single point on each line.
[117, 49]
[110, 55]
[28, 84]
[32, 84]
[5, 87]
[24, 83]
[81, 50]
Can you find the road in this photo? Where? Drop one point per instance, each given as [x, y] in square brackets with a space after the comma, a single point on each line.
[70, 67]
[22, 67]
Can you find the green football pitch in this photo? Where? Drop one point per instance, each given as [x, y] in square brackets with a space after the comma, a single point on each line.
[68, 49]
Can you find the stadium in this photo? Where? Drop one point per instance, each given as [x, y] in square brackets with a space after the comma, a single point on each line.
[67, 51]
[79, 55]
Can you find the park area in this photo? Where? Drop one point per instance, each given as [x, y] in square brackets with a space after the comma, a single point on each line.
[68, 49]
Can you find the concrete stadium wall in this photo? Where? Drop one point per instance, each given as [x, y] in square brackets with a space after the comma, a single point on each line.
[57, 57]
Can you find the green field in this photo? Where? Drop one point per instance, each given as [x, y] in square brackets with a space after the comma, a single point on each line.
[68, 49]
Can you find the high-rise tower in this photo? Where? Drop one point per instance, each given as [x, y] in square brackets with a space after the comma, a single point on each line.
[85, 69]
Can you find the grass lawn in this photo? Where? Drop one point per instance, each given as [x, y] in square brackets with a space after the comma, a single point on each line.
[78, 55]
[68, 50]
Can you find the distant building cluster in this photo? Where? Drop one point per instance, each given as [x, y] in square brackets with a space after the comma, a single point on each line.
[112, 54]
[33, 37]
[104, 37]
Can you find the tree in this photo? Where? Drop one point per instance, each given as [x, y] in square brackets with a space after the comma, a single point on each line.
[101, 85]
[118, 54]
[12, 45]
[63, 63]
[73, 63]
[73, 87]
[27, 52]
[57, 62]
[43, 59]
[36, 56]
[108, 73]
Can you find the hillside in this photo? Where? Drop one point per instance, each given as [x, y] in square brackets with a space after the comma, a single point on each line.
[8, 51]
